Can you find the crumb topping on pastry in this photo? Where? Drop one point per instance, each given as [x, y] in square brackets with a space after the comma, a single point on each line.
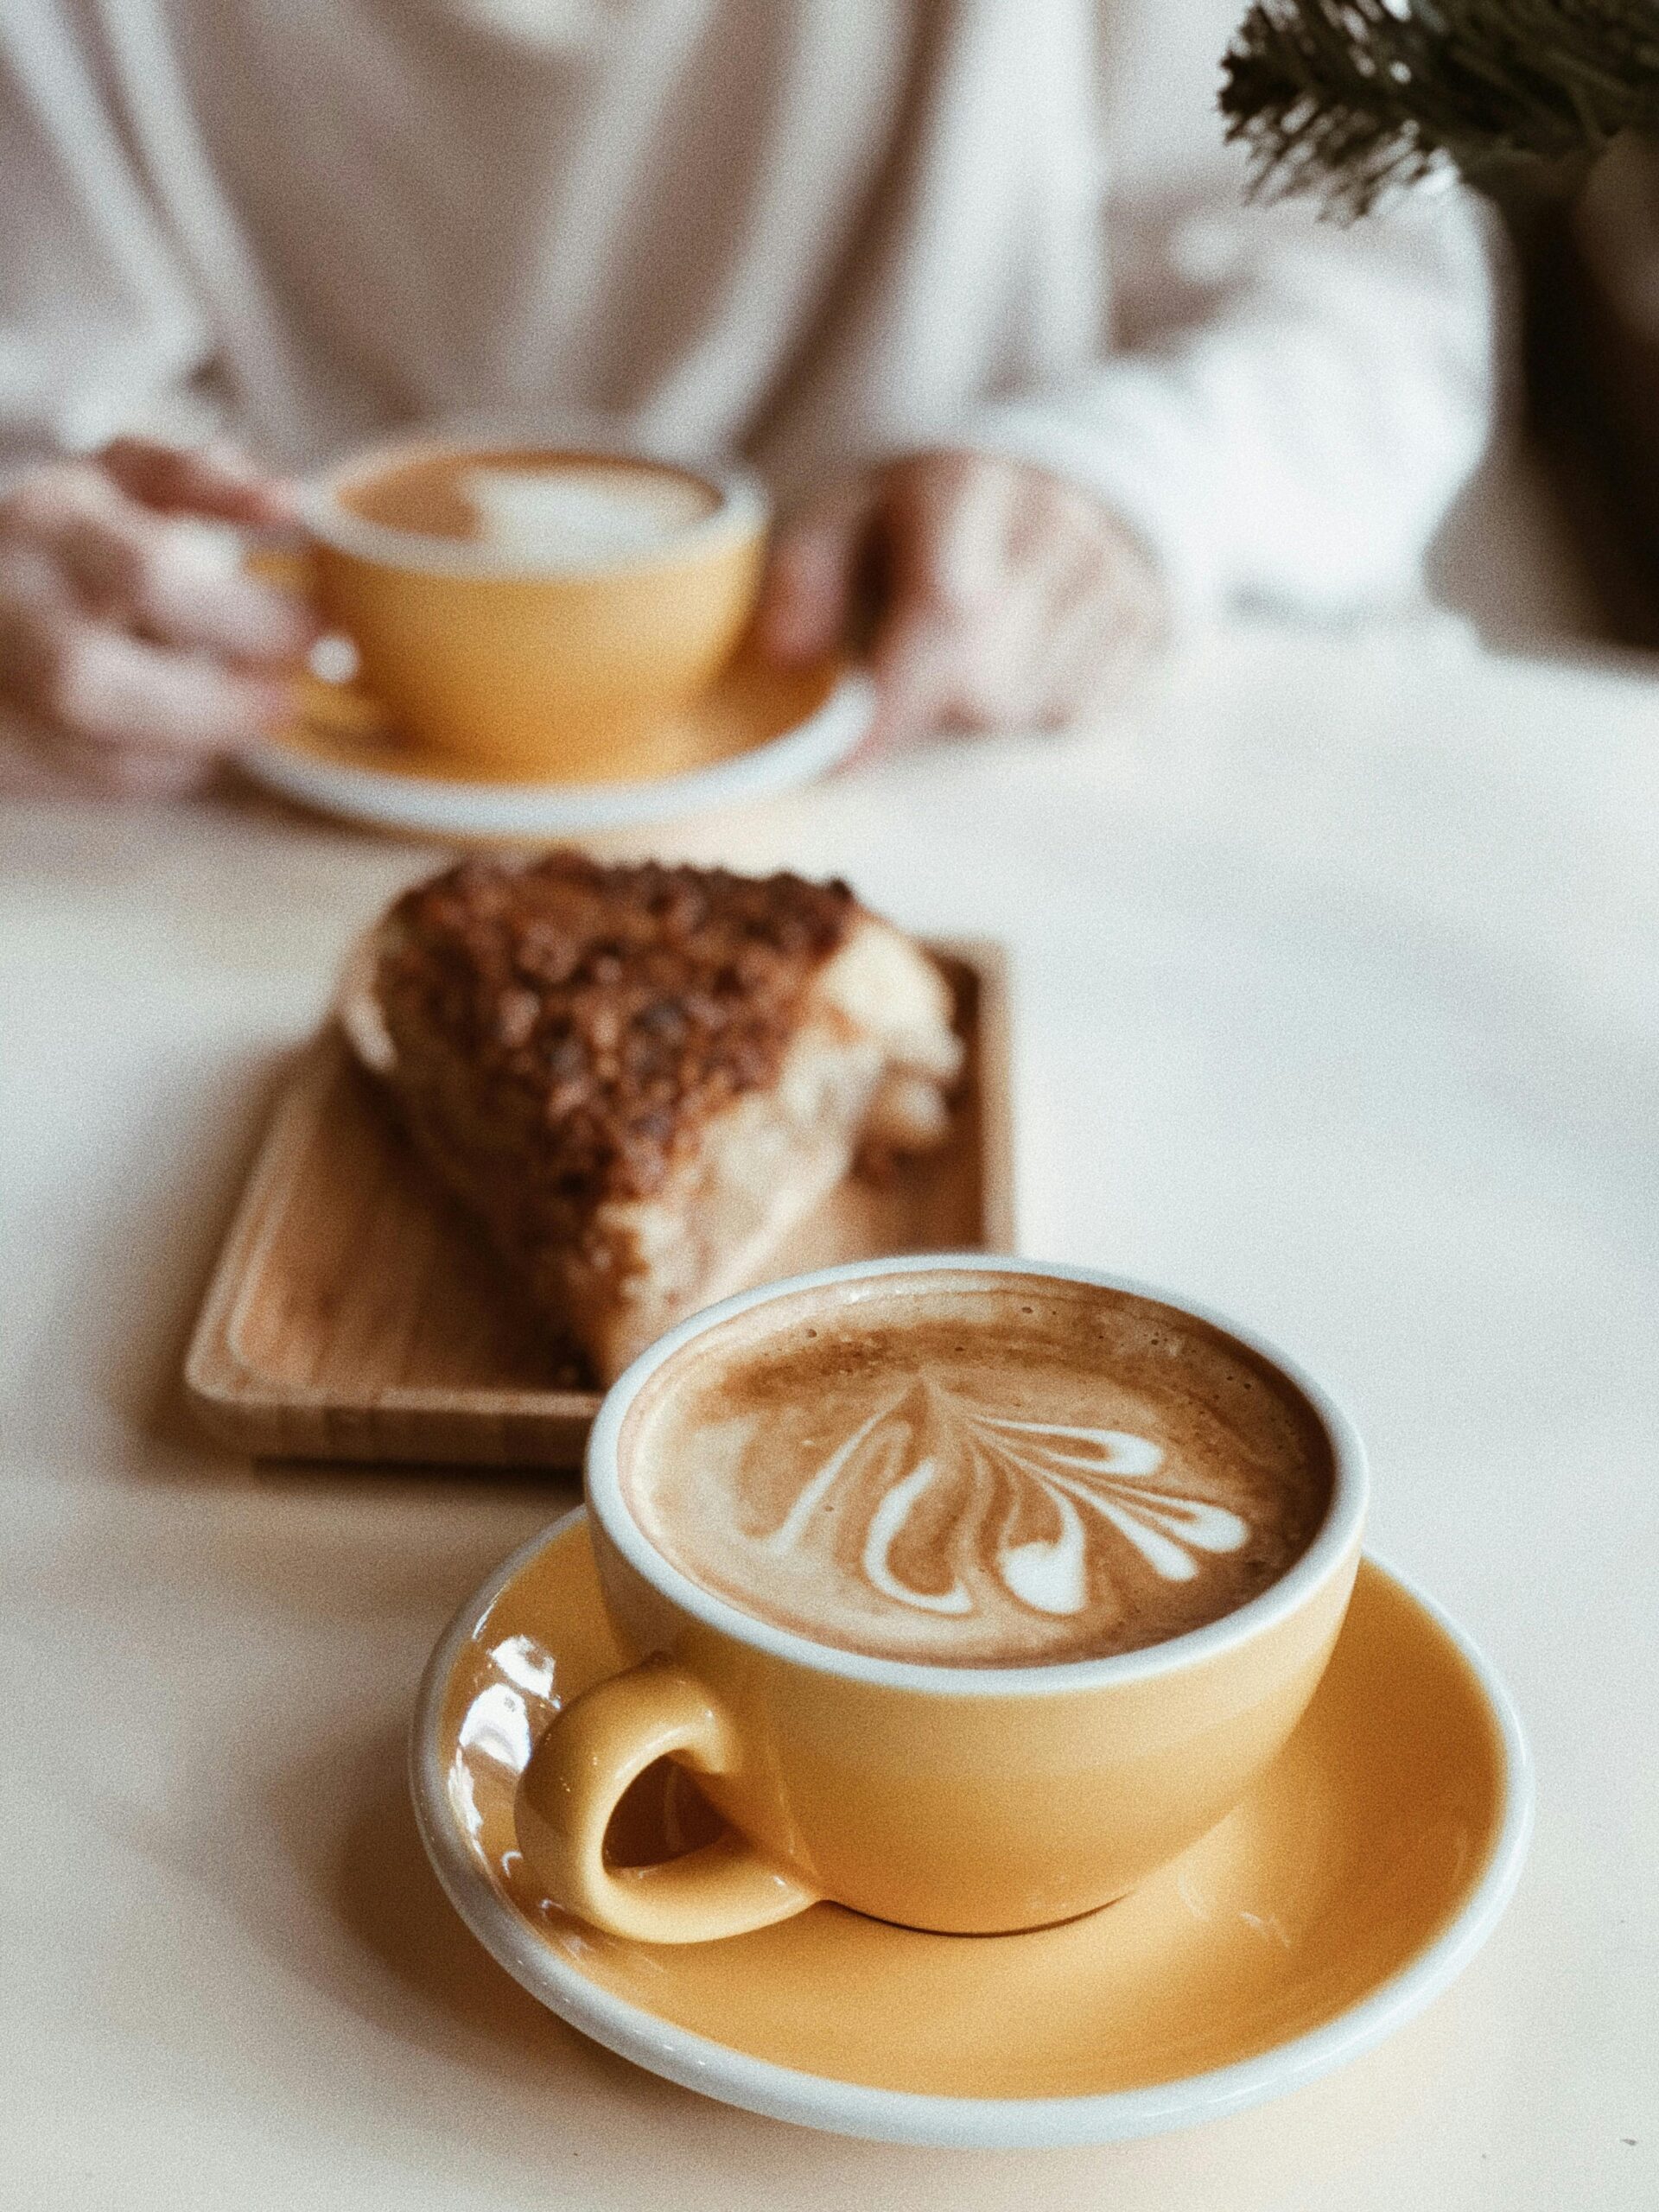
[603, 1013]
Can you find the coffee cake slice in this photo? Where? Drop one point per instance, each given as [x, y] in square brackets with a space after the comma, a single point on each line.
[638, 1078]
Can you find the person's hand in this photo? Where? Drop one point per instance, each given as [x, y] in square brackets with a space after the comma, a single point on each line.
[1001, 596]
[133, 653]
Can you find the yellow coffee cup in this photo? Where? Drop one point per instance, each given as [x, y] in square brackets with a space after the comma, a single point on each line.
[967, 1799]
[536, 611]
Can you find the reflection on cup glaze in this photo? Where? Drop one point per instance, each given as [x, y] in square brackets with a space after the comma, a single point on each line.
[960, 1507]
[514, 1701]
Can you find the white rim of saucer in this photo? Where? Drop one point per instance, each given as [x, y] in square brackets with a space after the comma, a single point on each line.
[839, 2108]
[1334, 1548]
[444, 807]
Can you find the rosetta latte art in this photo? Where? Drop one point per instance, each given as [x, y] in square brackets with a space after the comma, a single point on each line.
[950, 1508]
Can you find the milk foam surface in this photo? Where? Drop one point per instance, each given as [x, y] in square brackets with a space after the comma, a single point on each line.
[567, 510]
[585, 512]
[977, 1471]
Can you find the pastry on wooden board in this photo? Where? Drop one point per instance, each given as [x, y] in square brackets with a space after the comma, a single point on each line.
[638, 1079]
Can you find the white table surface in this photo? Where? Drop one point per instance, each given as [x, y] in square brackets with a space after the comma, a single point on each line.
[1337, 1003]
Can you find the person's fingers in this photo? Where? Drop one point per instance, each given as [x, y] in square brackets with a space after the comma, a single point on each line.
[127, 692]
[1076, 606]
[943, 520]
[124, 771]
[166, 580]
[1042, 648]
[916, 669]
[171, 585]
[133, 653]
[1012, 600]
[99, 684]
[1098, 641]
[213, 481]
[812, 575]
[34, 609]
[1085, 664]
[940, 523]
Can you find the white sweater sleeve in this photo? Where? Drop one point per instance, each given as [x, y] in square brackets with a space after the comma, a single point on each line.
[1287, 408]
[1299, 409]
[98, 326]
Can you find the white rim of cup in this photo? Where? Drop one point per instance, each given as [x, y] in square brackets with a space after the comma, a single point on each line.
[1336, 1543]
[743, 504]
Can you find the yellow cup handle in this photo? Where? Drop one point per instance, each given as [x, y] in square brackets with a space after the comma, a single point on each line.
[332, 704]
[576, 1774]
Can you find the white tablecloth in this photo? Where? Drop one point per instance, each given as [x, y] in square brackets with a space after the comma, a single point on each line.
[1337, 1004]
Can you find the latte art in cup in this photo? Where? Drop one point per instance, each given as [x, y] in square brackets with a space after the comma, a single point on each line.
[563, 510]
[1004, 1471]
[932, 1438]
[580, 512]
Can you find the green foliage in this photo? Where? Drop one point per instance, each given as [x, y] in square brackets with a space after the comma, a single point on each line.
[1352, 100]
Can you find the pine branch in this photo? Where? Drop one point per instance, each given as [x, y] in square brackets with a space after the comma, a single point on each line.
[1354, 99]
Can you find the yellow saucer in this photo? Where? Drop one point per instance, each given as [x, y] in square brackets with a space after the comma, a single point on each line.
[758, 730]
[1333, 1904]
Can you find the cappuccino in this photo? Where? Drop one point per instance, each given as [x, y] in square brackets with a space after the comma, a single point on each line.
[541, 510]
[977, 1470]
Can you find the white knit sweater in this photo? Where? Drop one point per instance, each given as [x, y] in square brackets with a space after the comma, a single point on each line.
[812, 230]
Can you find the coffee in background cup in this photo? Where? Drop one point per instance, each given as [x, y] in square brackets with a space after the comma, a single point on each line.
[539, 612]
[972, 1592]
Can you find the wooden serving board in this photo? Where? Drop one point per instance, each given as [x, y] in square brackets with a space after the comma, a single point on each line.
[354, 1314]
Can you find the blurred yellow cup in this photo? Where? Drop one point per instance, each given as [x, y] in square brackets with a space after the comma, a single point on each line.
[536, 611]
